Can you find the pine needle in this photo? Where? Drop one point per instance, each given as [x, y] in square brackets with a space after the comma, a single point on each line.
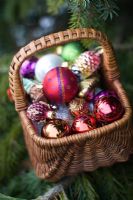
[82, 189]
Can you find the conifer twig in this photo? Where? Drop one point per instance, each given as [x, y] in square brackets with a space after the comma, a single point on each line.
[56, 190]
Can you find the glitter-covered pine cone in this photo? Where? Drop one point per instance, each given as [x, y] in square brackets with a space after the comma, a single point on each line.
[38, 111]
[88, 63]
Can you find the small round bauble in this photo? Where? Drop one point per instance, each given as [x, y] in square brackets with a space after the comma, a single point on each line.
[60, 85]
[71, 51]
[39, 111]
[45, 64]
[78, 107]
[84, 123]
[27, 69]
[55, 128]
[9, 94]
[88, 63]
[107, 107]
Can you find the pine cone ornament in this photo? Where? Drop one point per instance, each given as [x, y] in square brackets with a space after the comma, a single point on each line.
[88, 63]
[38, 111]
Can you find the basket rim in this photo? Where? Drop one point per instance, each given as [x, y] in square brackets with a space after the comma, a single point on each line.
[79, 138]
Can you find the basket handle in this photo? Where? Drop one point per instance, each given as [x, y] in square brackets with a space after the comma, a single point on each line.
[110, 67]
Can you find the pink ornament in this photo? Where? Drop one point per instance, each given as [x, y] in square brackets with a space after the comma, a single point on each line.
[107, 107]
[60, 85]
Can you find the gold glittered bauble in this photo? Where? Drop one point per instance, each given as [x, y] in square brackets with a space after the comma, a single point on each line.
[87, 84]
[78, 107]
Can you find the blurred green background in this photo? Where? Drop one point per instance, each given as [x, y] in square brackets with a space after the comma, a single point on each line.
[24, 20]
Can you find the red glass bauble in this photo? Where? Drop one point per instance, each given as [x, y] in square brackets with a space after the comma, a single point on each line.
[107, 107]
[60, 85]
[83, 124]
[55, 128]
[9, 94]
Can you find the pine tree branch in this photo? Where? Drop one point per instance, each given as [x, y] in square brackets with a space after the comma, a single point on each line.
[56, 190]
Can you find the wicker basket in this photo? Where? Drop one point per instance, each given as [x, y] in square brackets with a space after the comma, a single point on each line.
[56, 158]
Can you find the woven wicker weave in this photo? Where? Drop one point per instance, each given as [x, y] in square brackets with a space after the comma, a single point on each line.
[55, 158]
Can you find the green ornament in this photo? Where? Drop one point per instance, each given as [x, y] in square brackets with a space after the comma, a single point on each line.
[71, 51]
[28, 84]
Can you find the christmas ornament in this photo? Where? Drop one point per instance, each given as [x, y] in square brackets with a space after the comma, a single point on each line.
[64, 113]
[71, 51]
[87, 63]
[83, 124]
[45, 64]
[78, 107]
[107, 107]
[27, 84]
[76, 71]
[55, 128]
[9, 94]
[34, 90]
[27, 69]
[87, 85]
[39, 111]
[104, 93]
[91, 93]
[36, 93]
[60, 85]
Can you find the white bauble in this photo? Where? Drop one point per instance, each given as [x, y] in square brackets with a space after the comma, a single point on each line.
[45, 64]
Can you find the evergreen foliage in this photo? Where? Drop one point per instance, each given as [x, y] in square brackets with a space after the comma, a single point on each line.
[17, 10]
[54, 6]
[83, 189]
[91, 13]
[26, 185]
[113, 183]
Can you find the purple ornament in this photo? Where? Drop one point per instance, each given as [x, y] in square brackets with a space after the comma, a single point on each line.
[39, 111]
[27, 69]
[105, 93]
